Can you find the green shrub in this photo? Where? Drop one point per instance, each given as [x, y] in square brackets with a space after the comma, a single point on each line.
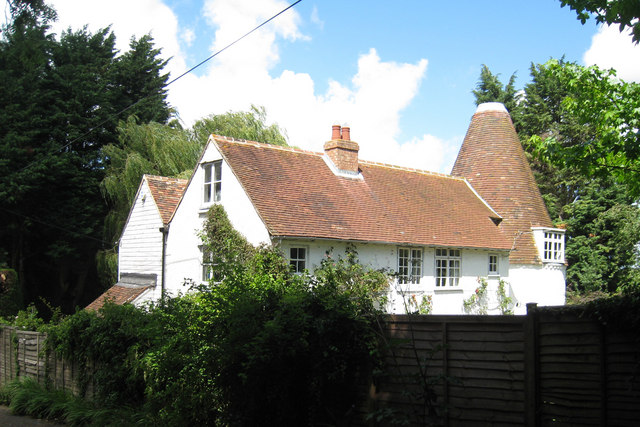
[107, 346]
[27, 397]
[259, 346]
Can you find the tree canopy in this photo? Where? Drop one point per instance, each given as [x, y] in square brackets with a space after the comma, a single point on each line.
[490, 89]
[165, 150]
[60, 100]
[610, 109]
[626, 13]
[250, 125]
[598, 212]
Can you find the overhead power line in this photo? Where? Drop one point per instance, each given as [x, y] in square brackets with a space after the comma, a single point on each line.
[57, 227]
[234, 42]
[115, 115]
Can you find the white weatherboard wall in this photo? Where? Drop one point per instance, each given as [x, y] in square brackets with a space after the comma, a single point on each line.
[140, 247]
[447, 300]
[184, 255]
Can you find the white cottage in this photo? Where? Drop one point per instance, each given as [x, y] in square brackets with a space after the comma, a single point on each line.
[439, 233]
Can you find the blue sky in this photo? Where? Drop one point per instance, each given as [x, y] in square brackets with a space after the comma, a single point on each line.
[399, 73]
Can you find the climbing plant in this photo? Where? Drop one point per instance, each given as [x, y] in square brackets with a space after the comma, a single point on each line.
[477, 302]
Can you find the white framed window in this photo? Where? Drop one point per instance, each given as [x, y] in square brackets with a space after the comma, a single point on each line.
[553, 247]
[212, 181]
[493, 265]
[207, 264]
[409, 265]
[447, 267]
[298, 259]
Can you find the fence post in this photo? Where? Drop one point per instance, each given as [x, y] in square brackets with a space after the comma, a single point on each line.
[445, 372]
[531, 374]
[603, 376]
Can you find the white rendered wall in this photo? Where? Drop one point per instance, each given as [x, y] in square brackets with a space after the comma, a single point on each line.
[140, 247]
[449, 300]
[542, 284]
[184, 257]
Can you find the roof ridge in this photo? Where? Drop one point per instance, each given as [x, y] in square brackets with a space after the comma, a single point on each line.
[410, 169]
[265, 145]
[316, 153]
[166, 193]
[148, 175]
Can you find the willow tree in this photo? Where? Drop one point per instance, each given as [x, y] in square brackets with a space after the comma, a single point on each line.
[165, 150]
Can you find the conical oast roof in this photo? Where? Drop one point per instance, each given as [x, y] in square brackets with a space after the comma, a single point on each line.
[492, 160]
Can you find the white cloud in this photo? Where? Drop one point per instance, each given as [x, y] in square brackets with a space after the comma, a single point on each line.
[127, 19]
[370, 103]
[188, 35]
[315, 17]
[612, 49]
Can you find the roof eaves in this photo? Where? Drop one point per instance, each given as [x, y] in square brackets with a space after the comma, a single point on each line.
[166, 180]
[214, 139]
[142, 181]
[193, 173]
[280, 238]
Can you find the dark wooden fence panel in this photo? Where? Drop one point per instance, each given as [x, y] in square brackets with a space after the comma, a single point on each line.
[472, 366]
[486, 366]
[551, 366]
[570, 369]
[622, 378]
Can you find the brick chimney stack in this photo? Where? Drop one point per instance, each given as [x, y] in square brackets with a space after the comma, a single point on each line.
[341, 150]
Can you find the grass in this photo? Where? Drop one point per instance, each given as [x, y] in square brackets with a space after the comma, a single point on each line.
[28, 397]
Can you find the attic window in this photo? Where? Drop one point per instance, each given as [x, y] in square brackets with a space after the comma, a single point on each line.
[212, 181]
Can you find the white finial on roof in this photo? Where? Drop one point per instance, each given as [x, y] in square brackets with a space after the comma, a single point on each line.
[491, 106]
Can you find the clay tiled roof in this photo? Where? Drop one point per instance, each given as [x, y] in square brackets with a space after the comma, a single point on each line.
[130, 287]
[167, 193]
[297, 195]
[493, 161]
[117, 294]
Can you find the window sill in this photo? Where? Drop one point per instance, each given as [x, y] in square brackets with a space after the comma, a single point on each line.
[205, 208]
[409, 288]
[449, 290]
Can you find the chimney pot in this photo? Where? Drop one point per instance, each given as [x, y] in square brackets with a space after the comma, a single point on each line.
[342, 152]
[346, 133]
[335, 132]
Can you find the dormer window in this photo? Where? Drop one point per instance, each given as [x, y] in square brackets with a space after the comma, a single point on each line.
[212, 181]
